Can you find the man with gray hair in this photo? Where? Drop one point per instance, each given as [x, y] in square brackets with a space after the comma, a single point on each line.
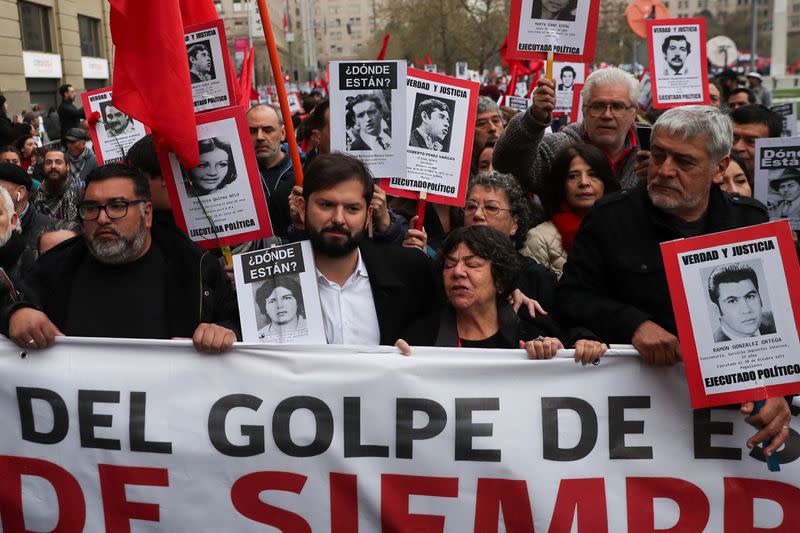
[609, 109]
[488, 127]
[614, 281]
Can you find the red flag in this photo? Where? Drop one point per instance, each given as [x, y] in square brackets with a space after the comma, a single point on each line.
[512, 85]
[428, 60]
[151, 74]
[285, 21]
[197, 11]
[382, 53]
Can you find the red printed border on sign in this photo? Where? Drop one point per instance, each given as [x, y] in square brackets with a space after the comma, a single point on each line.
[670, 250]
[466, 162]
[657, 104]
[589, 44]
[253, 178]
[87, 111]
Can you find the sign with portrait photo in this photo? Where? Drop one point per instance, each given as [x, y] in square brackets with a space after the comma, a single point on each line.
[278, 295]
[209, 66]
[736, 298]
[518, 103]
[568, 28]
[788, 113]
[576, 111]
[438, 138]
[115, 132]
[221, 201]
[777, 178]
[368, 113]
[566, 77]
[462, 71]
[295, 102]
[678, 67]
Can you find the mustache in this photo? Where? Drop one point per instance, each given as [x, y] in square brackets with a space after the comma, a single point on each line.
[107, 228]
[336, 229]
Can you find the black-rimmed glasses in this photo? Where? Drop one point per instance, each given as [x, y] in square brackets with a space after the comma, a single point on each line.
[618, 109]
[114, 210]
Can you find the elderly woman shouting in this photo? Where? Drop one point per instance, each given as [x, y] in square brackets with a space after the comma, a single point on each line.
[479, 269]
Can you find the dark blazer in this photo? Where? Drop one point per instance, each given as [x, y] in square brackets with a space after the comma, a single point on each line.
[417, 140]
[402, 287]
[767, 328]
[359, 144]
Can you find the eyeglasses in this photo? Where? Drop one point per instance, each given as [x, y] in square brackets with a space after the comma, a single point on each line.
[492, 210]
[114, 210]
[618, 109]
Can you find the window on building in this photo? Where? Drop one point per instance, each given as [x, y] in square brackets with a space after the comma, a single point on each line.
[239, 5]
[89, 30]
[34, 22]
[218, 5]
[354, 9]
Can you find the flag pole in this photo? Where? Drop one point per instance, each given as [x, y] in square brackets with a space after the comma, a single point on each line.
[275, 63]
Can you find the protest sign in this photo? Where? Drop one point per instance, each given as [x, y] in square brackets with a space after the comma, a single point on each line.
[431, 68]
[115, 132]
[221, 202]
[114, 436]
[518, 103]
[736, 297]
[678, 67]
[278, 295]
[438, 138]
[576, 114]
[566, 28]
[788, 113]
[368, 113]
[567, 76]
[777, 178]
[295, 103]
[462, 71]
[209, 66]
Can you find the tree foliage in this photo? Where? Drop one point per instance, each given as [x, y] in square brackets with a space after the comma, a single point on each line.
[448, 30]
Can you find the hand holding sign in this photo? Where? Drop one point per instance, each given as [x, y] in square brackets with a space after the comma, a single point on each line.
[544, 100]
[773, 420]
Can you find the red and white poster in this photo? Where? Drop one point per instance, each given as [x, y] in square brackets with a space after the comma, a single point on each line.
[210, 69]
[678, 67]
[567, 76]
[736, 298]
[295, 102]
[576, 113]
[438, 136]
[114, 132]
[568, 28]
[221, 202]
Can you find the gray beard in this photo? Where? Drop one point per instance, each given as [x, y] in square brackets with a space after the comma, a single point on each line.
[119, 251]
[6, 236]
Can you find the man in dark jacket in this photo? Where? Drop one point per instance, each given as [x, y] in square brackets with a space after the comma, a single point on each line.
[614, 281]
[122, 279]
[69, 116]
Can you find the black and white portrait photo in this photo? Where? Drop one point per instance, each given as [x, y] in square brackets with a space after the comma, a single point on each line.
[280, 306]
[554, 10]
[567, 78]
[784, 194]
[115, 121]
[431, 126]
[217, 168]
[368, 120]
[201, 63]
[676, 49]
[738, 302]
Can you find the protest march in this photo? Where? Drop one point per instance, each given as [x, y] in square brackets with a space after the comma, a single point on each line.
[547, 293]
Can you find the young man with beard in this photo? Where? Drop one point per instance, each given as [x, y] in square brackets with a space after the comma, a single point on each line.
[59, 194]
[124, 277]
[370, 294]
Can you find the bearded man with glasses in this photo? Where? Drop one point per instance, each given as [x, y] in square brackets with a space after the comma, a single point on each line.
[609, 111]
[124, 277]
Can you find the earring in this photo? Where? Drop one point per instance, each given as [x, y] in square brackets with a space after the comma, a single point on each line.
[18, 196]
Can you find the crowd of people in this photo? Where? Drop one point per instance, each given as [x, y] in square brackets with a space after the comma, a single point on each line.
[556, 246]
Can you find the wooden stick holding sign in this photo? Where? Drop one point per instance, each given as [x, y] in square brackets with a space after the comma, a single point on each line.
[275, 63]
[548, 69]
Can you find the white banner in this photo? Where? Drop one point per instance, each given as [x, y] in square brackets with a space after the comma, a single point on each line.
[151, 436]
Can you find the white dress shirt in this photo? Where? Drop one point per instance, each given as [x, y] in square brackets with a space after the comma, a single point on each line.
[348, 311]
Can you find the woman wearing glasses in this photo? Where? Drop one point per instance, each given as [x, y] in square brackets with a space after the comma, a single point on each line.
[216, 169]
[479, 269]
[580, 175]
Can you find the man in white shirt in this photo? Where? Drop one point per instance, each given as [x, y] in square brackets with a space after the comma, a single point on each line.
[369, 293]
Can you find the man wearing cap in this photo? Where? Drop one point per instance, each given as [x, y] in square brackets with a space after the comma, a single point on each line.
[81, 159]
[18, 183]
[787, 186]
[59, 194]
[762, 94]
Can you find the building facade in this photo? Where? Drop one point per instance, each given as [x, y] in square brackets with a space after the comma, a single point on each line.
[45, 43]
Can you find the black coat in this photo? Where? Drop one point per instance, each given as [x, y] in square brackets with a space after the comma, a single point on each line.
[402, 287]
[198, 290]
[614, 279]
